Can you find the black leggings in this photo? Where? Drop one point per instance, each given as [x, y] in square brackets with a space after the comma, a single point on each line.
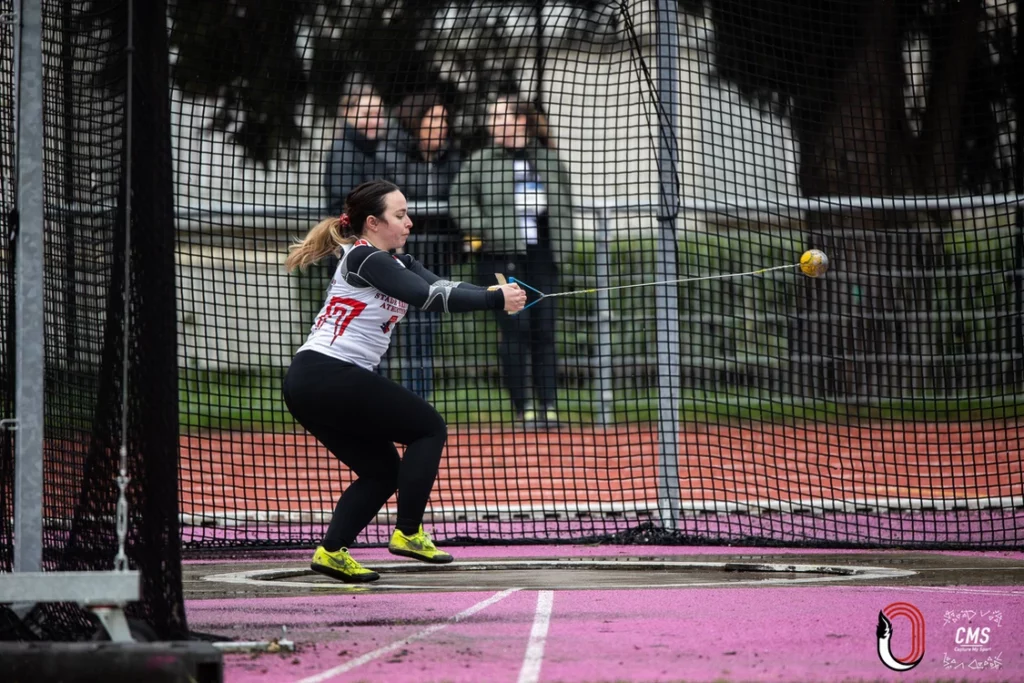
[358, 416]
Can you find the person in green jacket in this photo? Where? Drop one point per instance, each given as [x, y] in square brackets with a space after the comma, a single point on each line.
[512, 203]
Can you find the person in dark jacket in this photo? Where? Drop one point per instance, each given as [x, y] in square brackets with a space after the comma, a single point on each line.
[367, 148]
[370, 146]
[432, 161]
[432, 158]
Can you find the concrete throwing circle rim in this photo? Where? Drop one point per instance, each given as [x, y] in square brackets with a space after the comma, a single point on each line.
[824, 573]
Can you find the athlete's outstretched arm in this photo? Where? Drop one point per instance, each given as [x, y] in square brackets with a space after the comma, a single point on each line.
[415, 266]
[369, 266]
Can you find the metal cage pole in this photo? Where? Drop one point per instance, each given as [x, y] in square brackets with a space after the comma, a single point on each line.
[667, 296]
[604, 376]
[538, 98]
[1018, 189]
[104, 593]
[28, 311]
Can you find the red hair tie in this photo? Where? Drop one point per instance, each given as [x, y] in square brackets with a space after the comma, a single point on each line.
[344, 221]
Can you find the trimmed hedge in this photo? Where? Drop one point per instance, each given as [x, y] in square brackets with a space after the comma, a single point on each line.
[744, 341]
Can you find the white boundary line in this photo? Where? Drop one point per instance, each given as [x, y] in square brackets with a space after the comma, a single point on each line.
[952, 589]
[419, 635]
[530, 672]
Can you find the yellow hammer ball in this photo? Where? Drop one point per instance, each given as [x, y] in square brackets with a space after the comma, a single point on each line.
[814, 263]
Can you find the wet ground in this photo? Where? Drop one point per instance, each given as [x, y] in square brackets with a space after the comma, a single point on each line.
[586, 613]
[569, 571]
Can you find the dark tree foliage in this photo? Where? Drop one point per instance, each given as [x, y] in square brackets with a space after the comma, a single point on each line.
[802, 58]
[838, 69]
[243, 53]
[797, 56]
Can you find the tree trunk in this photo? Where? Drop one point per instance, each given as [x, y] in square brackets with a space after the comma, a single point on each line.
[936, 155]
[858, 149]
[865, 148]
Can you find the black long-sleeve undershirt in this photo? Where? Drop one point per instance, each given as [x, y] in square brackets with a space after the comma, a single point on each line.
[410, 282]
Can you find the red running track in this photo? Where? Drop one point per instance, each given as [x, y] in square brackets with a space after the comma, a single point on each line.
[584, 465]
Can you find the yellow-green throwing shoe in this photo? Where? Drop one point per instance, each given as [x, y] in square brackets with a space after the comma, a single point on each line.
[340, 565]
[418, 546]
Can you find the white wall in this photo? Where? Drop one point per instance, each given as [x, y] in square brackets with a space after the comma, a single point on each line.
[237, 308]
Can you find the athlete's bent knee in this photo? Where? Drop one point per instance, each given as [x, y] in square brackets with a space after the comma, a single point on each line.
[438, 428]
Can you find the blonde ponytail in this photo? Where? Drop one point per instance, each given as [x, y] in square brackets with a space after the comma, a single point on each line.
[328, 236]
[323, 239]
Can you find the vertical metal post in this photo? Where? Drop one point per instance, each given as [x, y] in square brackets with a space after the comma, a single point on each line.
[28, 310]
[1018, 188]
[666, 267]
[605, 394]
[71, 221]
[538, 99]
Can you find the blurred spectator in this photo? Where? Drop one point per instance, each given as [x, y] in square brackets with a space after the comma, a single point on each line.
[432, 158]
[367, 149]
[512, 202]
[431, 163]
